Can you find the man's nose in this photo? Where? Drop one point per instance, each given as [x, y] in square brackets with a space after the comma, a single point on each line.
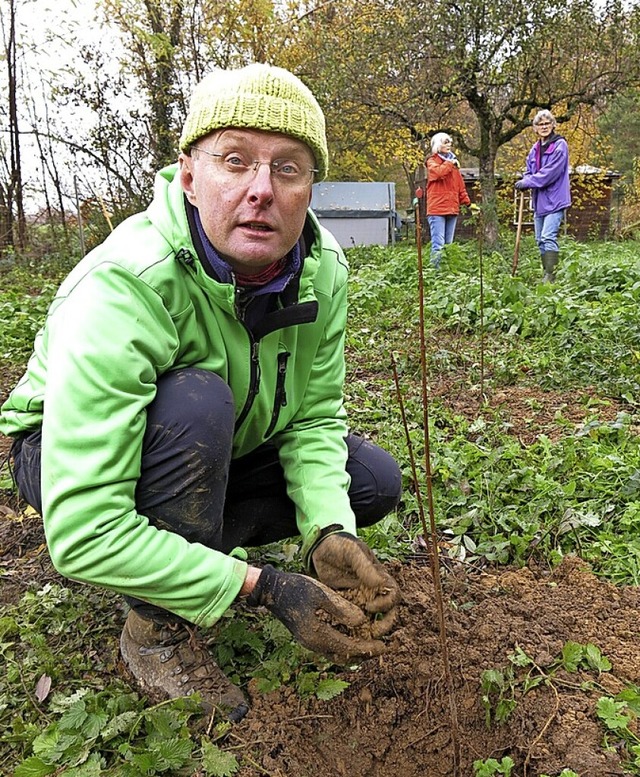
[261, 185]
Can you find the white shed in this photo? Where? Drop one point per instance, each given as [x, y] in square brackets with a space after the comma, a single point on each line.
[358, 214]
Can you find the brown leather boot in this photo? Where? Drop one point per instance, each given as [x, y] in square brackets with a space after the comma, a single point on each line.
[168, 661]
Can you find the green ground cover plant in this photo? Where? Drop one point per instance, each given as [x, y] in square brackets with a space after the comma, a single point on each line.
[497, 498]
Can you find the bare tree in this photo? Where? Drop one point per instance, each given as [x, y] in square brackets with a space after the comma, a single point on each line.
[11, 197]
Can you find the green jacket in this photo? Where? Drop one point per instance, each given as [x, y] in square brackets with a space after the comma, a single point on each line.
[136, 307]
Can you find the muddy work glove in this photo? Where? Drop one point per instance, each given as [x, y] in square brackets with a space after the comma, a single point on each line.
[349, 566]
[318, 617]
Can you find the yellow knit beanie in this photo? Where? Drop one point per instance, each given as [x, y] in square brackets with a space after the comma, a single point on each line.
[260, 97]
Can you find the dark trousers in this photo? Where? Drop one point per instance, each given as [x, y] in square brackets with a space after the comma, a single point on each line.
[190, 485]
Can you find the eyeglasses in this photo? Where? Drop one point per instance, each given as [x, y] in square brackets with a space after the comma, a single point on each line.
[235, 169]
[543, 124]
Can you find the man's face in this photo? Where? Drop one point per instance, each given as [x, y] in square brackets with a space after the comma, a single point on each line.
[252, 218]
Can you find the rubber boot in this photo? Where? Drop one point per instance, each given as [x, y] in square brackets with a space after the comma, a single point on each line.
[168, 661]
[549, 262]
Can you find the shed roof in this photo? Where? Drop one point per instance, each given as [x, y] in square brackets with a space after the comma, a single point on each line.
[346, 199]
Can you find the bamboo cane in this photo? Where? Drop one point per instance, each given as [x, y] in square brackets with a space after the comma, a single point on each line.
[430, 531]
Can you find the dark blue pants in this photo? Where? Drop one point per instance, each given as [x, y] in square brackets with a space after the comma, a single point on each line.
[190, 485]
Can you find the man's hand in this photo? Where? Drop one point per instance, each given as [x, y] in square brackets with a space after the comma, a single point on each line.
[318, 617]
[345, 563]
[520, 184]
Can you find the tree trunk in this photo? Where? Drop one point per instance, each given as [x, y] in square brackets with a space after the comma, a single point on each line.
[487, 169]
[163, 81]
[6, 220]
[16, 194]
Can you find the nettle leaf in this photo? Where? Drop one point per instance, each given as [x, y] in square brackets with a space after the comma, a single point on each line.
[224, 654]
[52, 744]
[330, 688]
[61, 703]
[307, 682]
[218, 763]
[34, 767]
[146, 763]
[123, 702]
[74, 717]
[174, 753]
[94, 724]
[119, 725]
[268, 684]
[92, 768]
[162, 723]
[504, 708]
[492, 680]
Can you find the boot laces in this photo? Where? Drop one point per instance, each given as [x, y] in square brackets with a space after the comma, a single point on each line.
[181, 641]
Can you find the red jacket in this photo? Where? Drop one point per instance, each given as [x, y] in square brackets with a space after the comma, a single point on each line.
[446, 191]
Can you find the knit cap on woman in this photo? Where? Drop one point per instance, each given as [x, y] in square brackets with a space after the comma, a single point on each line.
[262, 97]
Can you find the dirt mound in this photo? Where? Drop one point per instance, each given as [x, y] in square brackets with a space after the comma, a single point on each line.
[396, 716]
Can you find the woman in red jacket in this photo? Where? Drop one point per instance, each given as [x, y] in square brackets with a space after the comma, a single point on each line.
[446, 192]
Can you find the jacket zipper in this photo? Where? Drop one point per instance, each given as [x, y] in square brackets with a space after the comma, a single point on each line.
[254, 363]
[280, 399]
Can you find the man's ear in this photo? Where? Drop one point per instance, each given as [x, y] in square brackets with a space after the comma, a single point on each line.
[186, 177]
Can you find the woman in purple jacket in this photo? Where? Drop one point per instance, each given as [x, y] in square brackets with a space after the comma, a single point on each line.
[548, 176]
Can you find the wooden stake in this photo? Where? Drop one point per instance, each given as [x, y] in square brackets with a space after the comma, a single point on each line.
[430, 533]
[516, 249]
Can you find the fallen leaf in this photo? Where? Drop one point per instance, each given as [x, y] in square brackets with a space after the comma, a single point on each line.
[43, 686]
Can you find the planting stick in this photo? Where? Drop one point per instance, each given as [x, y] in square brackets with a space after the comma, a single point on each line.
[482, 334]
[430, 533]
[516, 249]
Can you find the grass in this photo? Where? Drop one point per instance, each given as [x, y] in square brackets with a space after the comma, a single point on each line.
[571, 488]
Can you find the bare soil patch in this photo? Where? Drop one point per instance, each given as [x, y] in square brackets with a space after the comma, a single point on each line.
[395, 718]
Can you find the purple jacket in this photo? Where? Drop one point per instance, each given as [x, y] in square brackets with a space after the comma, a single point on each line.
[548, 176]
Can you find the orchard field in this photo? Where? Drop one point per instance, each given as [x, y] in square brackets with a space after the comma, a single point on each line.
[533, 400]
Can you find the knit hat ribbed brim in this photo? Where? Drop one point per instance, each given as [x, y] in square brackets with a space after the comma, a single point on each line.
[260, 97]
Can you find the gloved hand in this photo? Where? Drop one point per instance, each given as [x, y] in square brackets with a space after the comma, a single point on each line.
[520, 184]
[316, 616]
[346, 563]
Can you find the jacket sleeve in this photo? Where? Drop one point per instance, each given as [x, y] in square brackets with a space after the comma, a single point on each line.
[312, 449]
[106, 347]
[438, 168]
[553, 168]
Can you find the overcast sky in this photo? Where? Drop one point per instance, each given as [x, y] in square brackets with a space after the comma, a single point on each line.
[49, 35]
